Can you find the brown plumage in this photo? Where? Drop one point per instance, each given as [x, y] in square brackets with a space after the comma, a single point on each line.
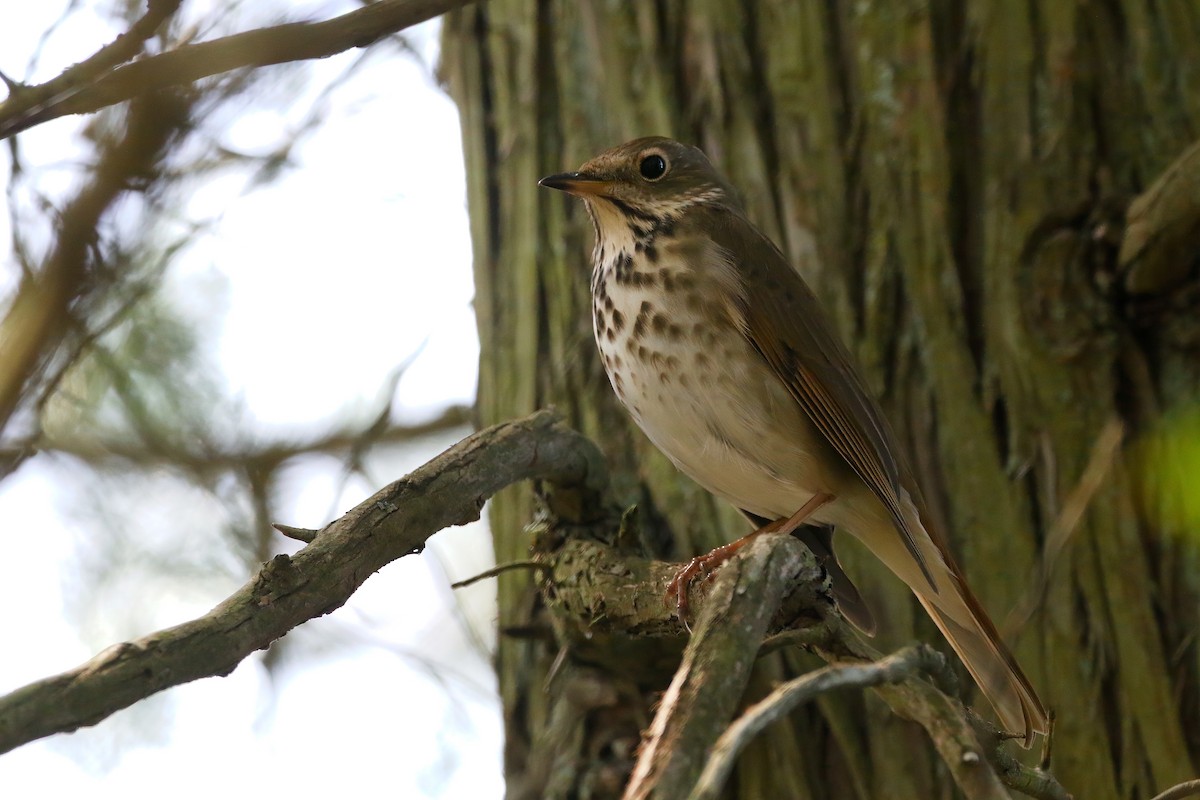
[724, 358]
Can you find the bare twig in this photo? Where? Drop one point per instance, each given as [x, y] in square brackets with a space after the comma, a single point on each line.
[500, 569]
[1032, 781]
[296, 41]
[305, 535]
[951, 732]
[907, 663]
[1180, 791]
[819, 635]
[287, 591]
[24, 99]
[208, 458]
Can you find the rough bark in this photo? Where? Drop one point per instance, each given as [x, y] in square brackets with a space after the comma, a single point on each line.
[953, 178]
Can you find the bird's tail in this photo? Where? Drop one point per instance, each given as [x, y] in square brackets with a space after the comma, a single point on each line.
[974, 637]
[969, 630]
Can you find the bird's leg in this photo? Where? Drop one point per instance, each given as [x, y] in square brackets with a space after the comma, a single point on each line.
[805, 511]
[710, 561]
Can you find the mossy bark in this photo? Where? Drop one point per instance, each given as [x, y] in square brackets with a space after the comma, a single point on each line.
[952, 177]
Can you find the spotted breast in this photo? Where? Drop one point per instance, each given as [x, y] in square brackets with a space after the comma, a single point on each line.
[665, 317]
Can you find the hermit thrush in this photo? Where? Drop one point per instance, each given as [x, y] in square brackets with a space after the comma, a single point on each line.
[721, 353]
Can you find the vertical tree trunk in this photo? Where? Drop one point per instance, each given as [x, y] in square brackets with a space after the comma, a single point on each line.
[952, 178]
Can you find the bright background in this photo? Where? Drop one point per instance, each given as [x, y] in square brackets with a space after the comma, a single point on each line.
[304, 296]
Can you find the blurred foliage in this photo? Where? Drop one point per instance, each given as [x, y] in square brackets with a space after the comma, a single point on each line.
[1168, 461]
[164, 476]
[143, 379]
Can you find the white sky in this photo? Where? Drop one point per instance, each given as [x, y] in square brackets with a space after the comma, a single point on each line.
[310, 292]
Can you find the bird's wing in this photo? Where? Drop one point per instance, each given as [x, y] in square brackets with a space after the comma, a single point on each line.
[785, 324]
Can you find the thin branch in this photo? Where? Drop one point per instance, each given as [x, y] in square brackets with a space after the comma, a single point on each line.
[295, 41]
[907, 663]
[500, 569]
[1180, 791]
[207, 459]
[820, 635]
[1032, 781]
[23, 99]
[305, 535]
[289, 590]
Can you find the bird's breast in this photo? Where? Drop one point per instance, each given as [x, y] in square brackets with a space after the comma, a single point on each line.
[669, 337]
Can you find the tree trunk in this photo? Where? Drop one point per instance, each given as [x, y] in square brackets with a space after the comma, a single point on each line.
[953, 179]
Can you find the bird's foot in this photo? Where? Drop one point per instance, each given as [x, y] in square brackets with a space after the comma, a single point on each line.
[706, 565]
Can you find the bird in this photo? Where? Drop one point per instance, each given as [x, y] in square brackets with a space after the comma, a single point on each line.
[723, 356]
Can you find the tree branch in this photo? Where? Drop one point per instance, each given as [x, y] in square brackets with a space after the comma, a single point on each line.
[205, 458]
[88, 87]
[609, 592]
[910, 662]
[125, 47]
[712, 677]
[1180, 791]
[605, 600]
[600, 596]
[288, 590]
[1032, 781]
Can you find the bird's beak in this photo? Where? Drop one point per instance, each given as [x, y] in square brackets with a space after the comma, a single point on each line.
[576, 183]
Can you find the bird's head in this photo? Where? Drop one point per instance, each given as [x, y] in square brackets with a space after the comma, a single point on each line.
[646, 180]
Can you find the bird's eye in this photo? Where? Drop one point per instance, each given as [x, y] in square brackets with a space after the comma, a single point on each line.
[653, 167]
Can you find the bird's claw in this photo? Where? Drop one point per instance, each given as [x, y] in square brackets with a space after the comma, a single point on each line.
[707, 564]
